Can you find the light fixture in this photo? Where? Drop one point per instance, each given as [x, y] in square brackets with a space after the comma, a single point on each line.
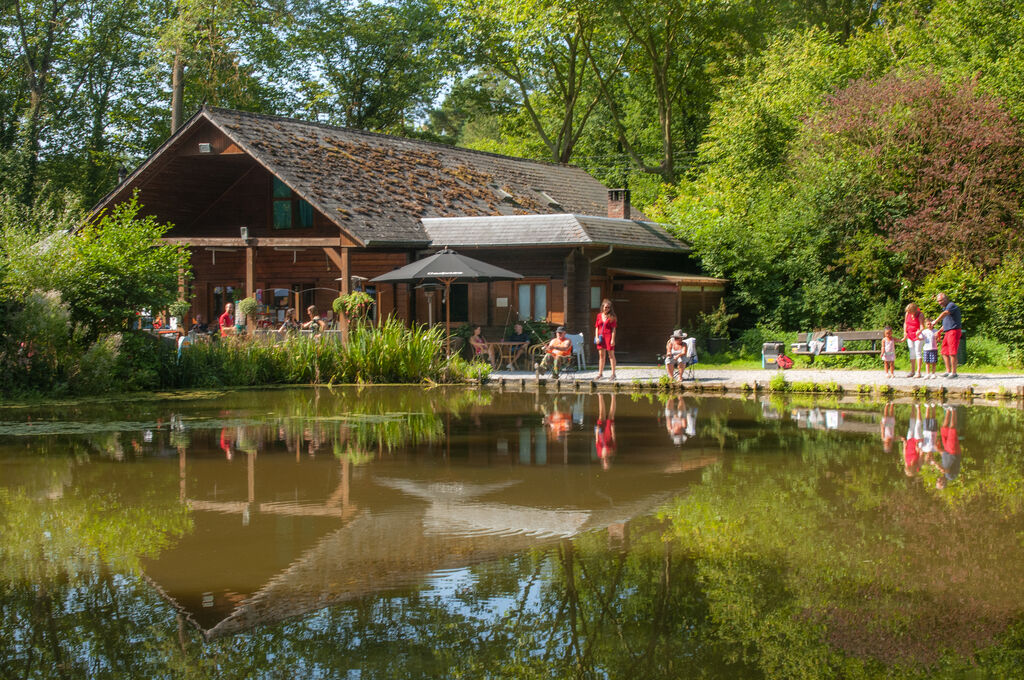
[205, 147]
[244, 232]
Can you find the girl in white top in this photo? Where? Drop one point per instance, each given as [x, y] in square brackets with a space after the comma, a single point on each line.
[889, 353]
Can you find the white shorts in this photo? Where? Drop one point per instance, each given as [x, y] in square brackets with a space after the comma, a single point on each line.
[914, 347]
[676, 359]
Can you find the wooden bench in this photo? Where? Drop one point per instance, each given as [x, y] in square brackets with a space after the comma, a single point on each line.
[801, 346]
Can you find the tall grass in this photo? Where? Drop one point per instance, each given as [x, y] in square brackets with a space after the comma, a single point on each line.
[391, 353]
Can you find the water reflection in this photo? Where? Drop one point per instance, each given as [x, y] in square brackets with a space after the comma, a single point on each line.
[425, 534]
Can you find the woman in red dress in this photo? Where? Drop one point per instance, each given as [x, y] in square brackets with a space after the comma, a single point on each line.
[604, 337]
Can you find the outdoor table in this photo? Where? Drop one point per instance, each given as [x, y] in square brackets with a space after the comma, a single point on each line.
[507, 349]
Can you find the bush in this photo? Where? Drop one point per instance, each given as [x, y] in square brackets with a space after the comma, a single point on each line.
[964, 284]
[1006, 303]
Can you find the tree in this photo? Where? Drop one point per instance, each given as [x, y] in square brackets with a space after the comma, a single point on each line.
[658, 61]
[106, 270]
[949, 159]
[539, 47]
[373, 65]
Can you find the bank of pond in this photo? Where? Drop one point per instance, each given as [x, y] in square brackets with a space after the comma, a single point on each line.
[385, 532]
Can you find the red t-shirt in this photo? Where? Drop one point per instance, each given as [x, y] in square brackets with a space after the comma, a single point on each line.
[225, 320]
[950, 442]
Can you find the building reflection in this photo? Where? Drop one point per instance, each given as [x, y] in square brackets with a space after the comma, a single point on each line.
[295, 513]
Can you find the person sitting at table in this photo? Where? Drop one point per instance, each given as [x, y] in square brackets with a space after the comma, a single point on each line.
[290, 323]
[558, 351]
[520, 336]
[315, 323]
[227, 319]
[481, 346]
[199, 326]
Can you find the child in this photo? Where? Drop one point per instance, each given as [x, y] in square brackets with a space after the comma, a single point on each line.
[889, 353]
[931, 349]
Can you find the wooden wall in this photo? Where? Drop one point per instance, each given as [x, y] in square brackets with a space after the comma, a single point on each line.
[282, 269]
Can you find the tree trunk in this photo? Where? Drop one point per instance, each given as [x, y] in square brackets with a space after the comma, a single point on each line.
[177, 91]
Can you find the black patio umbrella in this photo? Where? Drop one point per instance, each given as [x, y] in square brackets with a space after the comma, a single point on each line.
[448, 267]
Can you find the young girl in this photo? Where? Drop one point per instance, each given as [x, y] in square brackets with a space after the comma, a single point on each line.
[889, 353]
[604, 337]
[930, 348]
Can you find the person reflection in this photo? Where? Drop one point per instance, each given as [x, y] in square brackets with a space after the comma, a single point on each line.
[676, 421]
[227, 441]
[912, 444]
[951, 458]
[604, 432]
[888, 426]
[930, 435]
[559, 421]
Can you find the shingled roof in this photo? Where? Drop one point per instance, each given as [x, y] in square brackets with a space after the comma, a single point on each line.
[379, 187]
[563, 229]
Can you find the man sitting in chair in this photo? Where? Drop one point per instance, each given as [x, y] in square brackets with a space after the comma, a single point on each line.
[558, 352]
[518, 335]
[676, 353]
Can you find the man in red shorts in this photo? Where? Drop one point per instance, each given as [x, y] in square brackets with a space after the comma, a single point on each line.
[951, 331]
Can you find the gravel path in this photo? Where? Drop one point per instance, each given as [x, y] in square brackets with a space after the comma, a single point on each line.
[735, 378]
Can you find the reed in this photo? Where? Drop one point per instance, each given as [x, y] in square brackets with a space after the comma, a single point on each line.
[390, 353]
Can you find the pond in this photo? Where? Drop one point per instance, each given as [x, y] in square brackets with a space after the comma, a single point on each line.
[449, 533]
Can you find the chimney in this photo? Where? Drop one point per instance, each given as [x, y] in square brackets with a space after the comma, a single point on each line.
[618, 203]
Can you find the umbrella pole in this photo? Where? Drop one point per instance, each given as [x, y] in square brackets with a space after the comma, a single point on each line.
[448, 316]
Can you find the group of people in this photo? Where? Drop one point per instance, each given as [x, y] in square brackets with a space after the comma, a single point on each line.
[226, 321]
[927, 442]
[924, 340]
[558, 350]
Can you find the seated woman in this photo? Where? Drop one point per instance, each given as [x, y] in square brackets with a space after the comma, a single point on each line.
[481, 346]
[290, 323]
[315, 323]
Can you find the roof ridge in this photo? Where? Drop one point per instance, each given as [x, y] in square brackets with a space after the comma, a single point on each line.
[382, 135]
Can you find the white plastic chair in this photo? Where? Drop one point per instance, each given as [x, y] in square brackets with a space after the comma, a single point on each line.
[577, 350]
[691, 357]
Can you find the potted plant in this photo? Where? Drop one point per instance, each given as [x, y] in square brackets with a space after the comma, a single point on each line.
[355, 305]
[245, 308]
[714, 327]
[178, 309]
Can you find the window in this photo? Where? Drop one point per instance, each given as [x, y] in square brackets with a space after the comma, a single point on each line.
[595, 297]
[533, 301]
[289, 211]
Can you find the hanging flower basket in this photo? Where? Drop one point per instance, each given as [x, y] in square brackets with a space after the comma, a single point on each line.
[355, 305]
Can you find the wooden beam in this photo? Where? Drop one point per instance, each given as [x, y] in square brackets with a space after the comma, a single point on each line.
[250, 271]
[236, 242]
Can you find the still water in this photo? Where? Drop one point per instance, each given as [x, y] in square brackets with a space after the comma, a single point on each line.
[410, 533]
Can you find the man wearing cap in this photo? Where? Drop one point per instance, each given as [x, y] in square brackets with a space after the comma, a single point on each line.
[558, 349]
[676, 351]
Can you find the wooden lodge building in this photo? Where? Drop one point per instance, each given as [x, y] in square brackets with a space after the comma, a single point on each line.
[297, 213]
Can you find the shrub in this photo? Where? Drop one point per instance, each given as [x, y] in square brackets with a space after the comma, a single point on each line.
[963, 283]
[1006, 303]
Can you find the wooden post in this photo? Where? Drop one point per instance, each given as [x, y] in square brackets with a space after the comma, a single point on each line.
[250, 271]
[346, 277]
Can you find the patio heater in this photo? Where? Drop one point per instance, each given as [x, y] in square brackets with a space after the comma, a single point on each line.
[429, 289]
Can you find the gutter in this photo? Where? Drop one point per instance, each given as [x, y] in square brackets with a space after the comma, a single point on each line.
[602, 255]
